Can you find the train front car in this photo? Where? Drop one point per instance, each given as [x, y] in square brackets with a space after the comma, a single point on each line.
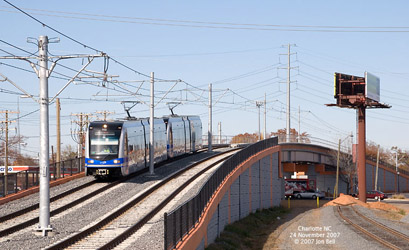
[104, 157]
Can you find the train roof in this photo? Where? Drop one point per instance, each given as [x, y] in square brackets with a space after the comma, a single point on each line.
[100, 123]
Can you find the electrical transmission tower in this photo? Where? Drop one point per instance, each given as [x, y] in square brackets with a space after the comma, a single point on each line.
[288, 68]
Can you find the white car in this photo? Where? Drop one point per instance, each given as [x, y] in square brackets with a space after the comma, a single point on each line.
[310, 194]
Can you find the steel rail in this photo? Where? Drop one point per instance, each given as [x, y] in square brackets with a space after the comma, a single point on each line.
[390, 230]
[126, 234]
[37, 205]
[97, 226]
[33, 221]
[366, 232]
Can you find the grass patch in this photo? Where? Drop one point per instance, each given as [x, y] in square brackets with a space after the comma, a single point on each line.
[402, 212]
[249, 232]
[398, 196]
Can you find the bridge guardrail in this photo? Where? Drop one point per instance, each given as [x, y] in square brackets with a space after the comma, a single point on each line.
[29, 178]
[180, 221]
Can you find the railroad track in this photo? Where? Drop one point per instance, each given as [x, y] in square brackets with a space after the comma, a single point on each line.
[116, 227]
[386, 236]
[9, 227]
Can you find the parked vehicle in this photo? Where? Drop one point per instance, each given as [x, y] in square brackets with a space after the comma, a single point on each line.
[294, 186]
[310, 194]
[376, 195]
[292, 194]
[373, 195]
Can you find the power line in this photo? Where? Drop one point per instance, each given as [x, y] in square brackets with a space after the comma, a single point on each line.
[74, 40]
[218, 25]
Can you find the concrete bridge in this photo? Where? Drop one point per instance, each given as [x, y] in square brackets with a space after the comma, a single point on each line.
[257, 182]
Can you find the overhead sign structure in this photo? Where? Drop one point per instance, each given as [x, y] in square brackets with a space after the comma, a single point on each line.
[348, 89]
[372, 87]
[358, 93]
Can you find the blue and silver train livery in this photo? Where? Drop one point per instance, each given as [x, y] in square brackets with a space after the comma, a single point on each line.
[120, 148]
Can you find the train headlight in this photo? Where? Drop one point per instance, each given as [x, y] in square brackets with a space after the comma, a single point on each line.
[91, 161]
[117, 161]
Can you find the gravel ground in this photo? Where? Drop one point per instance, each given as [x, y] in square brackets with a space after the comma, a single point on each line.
[32, 199]
[321, 229]
[397, 225]
[151, 235]
[405, 219]
[76, 219]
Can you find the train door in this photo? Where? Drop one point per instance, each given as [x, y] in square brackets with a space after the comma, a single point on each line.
[145, 126]
[187, 134]
[169, 145]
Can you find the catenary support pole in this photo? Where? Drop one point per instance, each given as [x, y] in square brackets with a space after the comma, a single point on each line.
[209, 131]
[151, 127]
[361, 153]
[44, 225]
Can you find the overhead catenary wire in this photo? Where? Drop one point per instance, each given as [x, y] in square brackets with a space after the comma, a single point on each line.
[78, 42]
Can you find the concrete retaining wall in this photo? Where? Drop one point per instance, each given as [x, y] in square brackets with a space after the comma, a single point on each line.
[255, 184]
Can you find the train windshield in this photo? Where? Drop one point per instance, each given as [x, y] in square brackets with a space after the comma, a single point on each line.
[104, 145]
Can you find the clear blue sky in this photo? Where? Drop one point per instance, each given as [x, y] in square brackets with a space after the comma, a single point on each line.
[235, 45]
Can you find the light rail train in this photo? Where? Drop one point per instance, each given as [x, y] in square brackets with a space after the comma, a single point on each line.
[120, 148]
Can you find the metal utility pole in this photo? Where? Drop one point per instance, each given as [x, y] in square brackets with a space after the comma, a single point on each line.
[43, 74]
[209, 131]
[265, 116]
[58, 158]
[6, 147]
[259, 104]
[151, 127]
[44, 226]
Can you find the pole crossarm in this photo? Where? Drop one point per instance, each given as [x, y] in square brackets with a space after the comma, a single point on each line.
[224, 93]
[54, 63]
[163, 97]
[19, 88]
[72, 79]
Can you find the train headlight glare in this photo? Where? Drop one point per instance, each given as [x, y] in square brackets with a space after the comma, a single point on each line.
[91, 161]
[117, 161]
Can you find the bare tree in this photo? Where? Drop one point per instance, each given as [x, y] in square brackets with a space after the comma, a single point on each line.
[347, 169]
